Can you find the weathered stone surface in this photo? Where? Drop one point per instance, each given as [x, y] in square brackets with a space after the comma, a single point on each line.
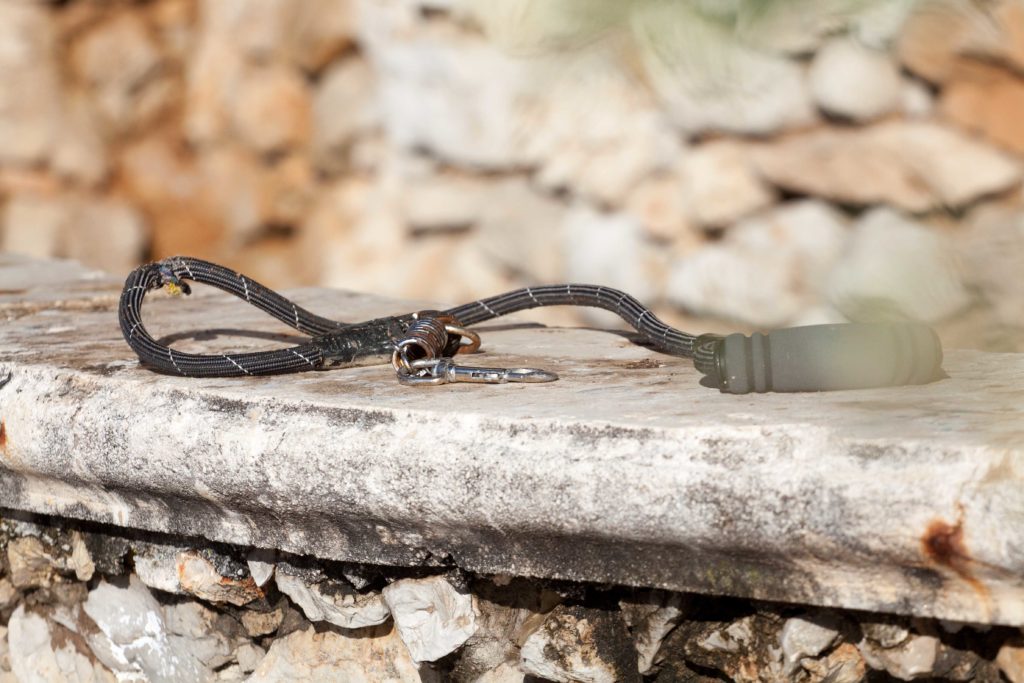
[375, 654]
[432, 617]
[243, 461]
[911, 165]
[580, 644]
[852, 80]
[44, 652]
[897, 268]
[324, 599]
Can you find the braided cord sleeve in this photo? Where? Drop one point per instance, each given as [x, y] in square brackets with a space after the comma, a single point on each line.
[652, 330]
[165, 359]
[252, 292]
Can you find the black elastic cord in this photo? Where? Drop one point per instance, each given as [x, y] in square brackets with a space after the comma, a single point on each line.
[333, 342]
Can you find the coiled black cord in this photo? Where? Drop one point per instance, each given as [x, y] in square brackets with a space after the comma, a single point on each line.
[333, 343]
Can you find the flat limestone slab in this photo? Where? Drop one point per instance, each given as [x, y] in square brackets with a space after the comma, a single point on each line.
[907, 500]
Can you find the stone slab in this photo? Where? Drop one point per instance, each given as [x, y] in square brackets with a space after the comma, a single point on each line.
[906, 500]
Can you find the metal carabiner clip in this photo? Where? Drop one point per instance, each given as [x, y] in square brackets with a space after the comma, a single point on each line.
[444, 371]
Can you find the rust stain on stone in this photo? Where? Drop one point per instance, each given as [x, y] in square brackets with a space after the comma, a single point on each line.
[3, 437]
[943, 543]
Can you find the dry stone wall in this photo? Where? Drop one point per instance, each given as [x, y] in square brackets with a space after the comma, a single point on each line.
[89, 603]
[795, 172]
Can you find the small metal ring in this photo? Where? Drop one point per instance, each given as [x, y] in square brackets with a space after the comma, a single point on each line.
[474, 339]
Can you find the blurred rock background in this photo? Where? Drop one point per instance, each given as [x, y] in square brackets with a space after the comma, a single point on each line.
[804, 167]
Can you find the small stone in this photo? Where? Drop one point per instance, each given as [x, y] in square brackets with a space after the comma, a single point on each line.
[318, 31]
[32, 564]
[249, 656]
[81, 559]
[732, 279]
[375, 654]
[651, 615]
[504, 612]
[272, 111]
[885, 634]
[136, 635]
[516, 227]
[262, 623]
[324, 599]
[342, 113]
[992, 249]
[580, 644]
[431, 616]
[261, 566]
[44, 652]
[807, 638]
[931, 43]
[80, 152]
[9, 595]
[35, 225]
[916, 101]
[746, 650]
[30, 96]
[210, 637]
[721, 184]
[915, 658]
[202, 578]
[5, 655]
[1011, 661]
[107, 234]
[909, 164]
[852, 80]
[895, 268]
[444, 202]
[509, 673]
[987, 100]
[231, 672]
[747, 91]
[189, 572]
[661, 205]
[607, 248]
[843, 665]
[121, 63]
